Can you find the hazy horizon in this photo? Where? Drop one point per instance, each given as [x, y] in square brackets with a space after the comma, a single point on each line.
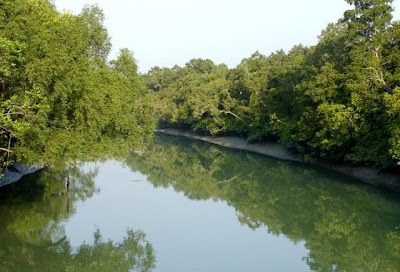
[168, 33]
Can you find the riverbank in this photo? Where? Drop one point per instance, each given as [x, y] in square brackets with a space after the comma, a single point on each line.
[366, 174]
[16, 172]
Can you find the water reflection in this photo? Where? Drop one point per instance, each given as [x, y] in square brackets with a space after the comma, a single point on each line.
[347, 226]
[32, 234]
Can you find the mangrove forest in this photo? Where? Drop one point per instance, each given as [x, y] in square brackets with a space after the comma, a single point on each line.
[112, 192]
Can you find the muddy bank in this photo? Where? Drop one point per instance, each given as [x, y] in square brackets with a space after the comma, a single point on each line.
[16, 172]
[366, 174]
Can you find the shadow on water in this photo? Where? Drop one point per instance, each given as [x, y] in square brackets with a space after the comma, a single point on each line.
[32, 234]
[346, 225]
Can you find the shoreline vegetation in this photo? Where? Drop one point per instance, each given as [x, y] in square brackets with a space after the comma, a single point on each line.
[338, 100]
[61, 98]
[365, 174]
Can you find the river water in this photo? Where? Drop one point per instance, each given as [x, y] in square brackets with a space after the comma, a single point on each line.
[184, 205]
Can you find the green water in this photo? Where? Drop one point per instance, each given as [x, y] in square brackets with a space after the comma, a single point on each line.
[184, 205]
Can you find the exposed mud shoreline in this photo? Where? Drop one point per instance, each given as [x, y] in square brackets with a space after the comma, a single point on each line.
[16, 172]
[366, 174]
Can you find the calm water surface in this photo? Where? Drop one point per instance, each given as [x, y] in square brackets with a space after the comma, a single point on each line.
[185, 206]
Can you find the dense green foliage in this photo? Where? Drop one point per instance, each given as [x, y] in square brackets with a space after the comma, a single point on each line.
[59, 96]
[345, 225]
[338, 99]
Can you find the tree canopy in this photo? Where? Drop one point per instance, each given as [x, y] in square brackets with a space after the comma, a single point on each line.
[60, 96]
[56, 83]
[336, 100]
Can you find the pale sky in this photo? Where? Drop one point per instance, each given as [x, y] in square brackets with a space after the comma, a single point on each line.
[168, 32]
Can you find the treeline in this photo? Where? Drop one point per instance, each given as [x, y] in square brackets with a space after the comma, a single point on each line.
[339, 99]
[59, 96]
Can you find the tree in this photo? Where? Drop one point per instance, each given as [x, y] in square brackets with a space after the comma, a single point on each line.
[55, 81]
[334, 100]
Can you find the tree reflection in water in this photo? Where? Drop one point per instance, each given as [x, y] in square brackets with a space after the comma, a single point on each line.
[32, 234]
[347, 226]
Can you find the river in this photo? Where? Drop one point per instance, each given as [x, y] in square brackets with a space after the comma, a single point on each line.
[183, 205]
